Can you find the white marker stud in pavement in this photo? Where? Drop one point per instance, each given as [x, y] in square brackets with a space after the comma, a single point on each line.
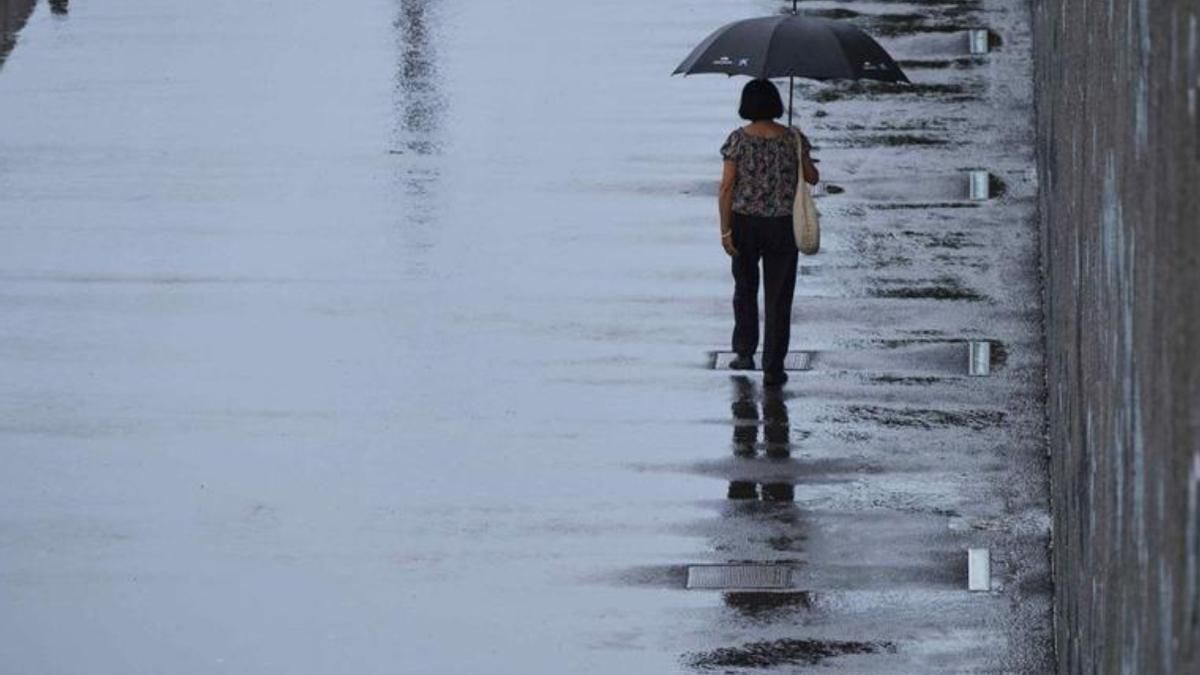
[979, 361]
[980, 188]
[978, 40]
[979, 569]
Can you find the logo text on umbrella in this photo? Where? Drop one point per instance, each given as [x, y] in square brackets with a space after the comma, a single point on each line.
[726, 61]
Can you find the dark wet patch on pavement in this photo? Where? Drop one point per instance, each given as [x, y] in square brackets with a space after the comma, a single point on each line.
[957, 63]
[770, 653]
[1037, 584]
[959, 261]
[768, 606]
[652, 576]
[892, 140]
[861, 90]
[894, 379]
[941, 288]
[785, 544]
[894, 25]
[924, 206]
[950, 240]
[924, 418]
[935, 16]
[997, 187]
[999, 354]
[772, 477]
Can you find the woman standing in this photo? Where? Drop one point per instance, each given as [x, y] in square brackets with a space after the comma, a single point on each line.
[757, 190]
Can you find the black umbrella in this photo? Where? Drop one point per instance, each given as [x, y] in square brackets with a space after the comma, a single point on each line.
[790, 45]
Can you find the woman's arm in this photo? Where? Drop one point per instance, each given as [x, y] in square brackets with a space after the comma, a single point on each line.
[725, 205]
[811, 175]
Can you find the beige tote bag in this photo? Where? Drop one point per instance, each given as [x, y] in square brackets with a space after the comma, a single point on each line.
[806, 222]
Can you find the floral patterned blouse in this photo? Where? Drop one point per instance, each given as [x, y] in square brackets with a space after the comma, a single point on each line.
[766, 172]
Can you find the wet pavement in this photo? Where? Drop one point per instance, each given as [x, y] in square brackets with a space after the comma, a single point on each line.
[377, 337]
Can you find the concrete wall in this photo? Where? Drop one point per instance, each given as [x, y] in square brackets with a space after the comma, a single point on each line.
[1119, 159]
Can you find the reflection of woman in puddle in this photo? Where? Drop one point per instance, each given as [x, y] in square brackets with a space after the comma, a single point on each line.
[776, 440]
[757, 190]
[777, 428]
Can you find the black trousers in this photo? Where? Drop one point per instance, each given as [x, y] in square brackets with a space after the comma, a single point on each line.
[771, 240]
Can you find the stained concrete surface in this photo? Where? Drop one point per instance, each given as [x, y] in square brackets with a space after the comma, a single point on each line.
[1119, 156]
[373, 337]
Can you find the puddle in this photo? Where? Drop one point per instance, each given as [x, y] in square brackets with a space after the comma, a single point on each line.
[776, 427]
[772, 653]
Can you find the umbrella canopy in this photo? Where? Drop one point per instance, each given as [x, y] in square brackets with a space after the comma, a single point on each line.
[791, 45]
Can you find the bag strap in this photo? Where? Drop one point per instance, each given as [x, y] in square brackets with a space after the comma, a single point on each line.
[799, 155]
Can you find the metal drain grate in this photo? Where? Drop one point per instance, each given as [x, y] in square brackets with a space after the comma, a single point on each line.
[793, 360]
[739, 577]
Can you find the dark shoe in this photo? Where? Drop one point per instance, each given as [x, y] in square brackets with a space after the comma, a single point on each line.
[774, 379]
[742, 363]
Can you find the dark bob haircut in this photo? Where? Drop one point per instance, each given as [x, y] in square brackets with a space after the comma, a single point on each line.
[760, 101]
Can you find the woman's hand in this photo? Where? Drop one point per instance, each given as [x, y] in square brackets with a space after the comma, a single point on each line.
[727, 243]
[725, 205]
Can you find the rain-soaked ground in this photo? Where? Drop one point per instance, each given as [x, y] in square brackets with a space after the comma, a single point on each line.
[375, 336]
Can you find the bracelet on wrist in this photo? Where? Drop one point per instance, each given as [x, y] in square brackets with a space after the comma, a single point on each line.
[727, 233]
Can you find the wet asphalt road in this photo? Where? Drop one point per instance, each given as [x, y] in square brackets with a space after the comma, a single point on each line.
[374, 337]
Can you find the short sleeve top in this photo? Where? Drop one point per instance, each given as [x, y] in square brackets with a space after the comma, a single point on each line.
[767, 171]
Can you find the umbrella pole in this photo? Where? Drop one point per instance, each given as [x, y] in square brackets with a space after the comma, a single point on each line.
[791, 80]
[791, 92]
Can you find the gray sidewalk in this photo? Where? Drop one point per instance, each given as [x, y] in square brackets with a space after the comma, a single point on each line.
[374, 337]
